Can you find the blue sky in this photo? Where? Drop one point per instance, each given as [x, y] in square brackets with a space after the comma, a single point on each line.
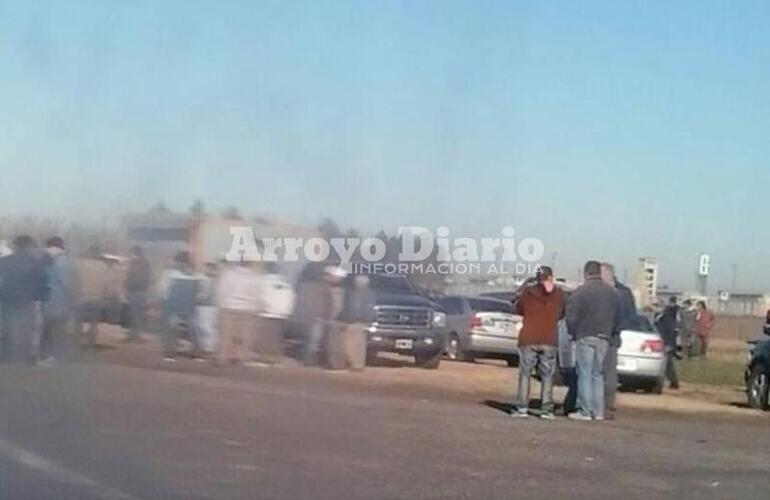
[608, 129]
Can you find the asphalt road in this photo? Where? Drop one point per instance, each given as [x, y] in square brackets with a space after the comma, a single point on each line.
[97, 430]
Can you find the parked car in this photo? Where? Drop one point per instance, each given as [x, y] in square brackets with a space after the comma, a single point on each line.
[404, 322]
[640, 357]
[757, 373]
[641, 361]
[481, 327]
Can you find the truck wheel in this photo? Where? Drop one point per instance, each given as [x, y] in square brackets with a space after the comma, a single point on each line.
[428, 360]
[757, 387]
[512, 360]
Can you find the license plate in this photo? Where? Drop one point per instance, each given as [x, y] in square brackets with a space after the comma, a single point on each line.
[629, 365]
[404, 344]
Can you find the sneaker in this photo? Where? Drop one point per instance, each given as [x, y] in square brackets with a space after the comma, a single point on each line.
[547, 416]
[520, 413]
[579, 416]
[48, 362]
[599, 419]
[169, 359]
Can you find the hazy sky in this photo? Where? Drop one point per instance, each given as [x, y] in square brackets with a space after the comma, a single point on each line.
[609, 129]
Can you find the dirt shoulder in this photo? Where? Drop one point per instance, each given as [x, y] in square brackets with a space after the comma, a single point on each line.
[485, 380]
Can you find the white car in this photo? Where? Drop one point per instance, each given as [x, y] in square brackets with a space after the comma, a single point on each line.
[641, 361]
[480, 327]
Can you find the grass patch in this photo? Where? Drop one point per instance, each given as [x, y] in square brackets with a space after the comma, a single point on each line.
[711, 372]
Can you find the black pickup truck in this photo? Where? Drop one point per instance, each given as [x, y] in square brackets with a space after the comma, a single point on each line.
[403, 321]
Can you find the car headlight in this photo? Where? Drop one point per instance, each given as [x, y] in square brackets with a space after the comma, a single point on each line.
[439, 319]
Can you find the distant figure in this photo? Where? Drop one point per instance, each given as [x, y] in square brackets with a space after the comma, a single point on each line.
[593, 317]
[626, 321]
[94, 277]
[315, 309]
[60, 307]
[689, 329]
[23, 286]
[347, 345]
[206, 311]
[669, 323]
[138, 282]
[178, 290]
[703, 325]
[238, 300]
[542, 306]
[277, 300]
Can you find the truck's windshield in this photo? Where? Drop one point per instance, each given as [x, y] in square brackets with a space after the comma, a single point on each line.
[391, 284]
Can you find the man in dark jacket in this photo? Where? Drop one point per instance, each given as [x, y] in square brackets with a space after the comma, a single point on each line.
[627, 321]
[177, 294]
[669, 323]
[314, 309]
[22, 288]
[593, 314]
[542, 306]
[138, 281]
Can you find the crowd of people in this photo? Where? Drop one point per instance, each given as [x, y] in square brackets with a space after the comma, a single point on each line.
[52, 303]
[592, 317]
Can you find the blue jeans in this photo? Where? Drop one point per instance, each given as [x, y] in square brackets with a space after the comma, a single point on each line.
[590, 354]
[544, 357]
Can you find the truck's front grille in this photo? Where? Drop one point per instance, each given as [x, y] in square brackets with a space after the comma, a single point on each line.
[403, 317]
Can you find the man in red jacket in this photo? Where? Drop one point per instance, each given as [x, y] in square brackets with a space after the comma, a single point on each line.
[542, 306]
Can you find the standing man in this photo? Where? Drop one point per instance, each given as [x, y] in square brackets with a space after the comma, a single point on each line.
[593, 315]
[61, 303]
[178, 293]
[703, 323]
[626, 321]
[669, 324]
[206, 311]
[689, 324]
[94, 277]
[315, 308]
[23, 287]
[138, 281]
[542, 306]
[237, 296]
[277, 300]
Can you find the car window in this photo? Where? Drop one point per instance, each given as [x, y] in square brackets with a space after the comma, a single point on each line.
[390, 284]
[482, 305]
[452, 305]
[643, 324]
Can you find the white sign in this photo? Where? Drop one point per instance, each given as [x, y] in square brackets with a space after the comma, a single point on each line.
[724, 296]
[704, 264]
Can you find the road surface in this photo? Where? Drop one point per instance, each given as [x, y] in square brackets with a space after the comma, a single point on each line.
[100, 430]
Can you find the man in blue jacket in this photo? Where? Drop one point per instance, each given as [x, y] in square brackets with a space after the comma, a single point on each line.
[60, 305]
[593, 314]
[22, 289]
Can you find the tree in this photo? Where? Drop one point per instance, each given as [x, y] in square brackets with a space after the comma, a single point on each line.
[198, 209]
[159, 208]
[232, 213]
[329, 229]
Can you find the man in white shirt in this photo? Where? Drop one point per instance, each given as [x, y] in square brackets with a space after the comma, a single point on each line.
[238, 299]
[277, 300]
